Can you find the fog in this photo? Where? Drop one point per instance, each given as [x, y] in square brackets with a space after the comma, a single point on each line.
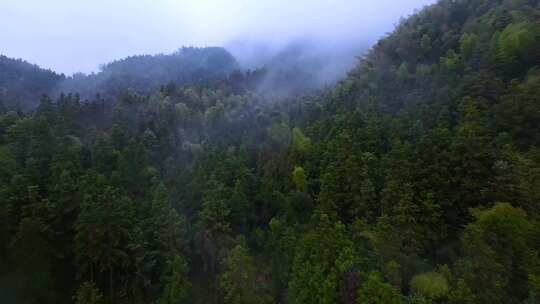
[77, 36]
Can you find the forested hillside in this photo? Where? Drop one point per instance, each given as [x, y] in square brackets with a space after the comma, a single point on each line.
[414, 180]
[146, 73]
[22, 83]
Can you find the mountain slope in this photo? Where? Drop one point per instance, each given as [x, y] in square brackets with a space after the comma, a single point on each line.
[145, 74]
[22, 83]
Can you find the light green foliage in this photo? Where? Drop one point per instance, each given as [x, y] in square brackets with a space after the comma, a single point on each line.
[499, 239]
[431, 285]
[468, 44]
[242, 283]
[88, 293]
[301, 143]
[376, 291]
[452, 62]
[322, 256]
[517, 41]
[300, 179]
[176, 282]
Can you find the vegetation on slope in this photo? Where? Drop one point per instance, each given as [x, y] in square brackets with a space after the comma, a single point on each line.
[22, 83]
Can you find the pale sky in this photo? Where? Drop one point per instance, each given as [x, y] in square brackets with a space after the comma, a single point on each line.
[78, 35]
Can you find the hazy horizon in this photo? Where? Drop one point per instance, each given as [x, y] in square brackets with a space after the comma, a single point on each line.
[69, 37]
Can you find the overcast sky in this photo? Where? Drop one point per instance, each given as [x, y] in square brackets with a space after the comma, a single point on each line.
[78, 35]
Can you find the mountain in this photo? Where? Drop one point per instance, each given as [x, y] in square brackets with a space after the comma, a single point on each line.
[413, 180]
[22, 83]
[146, 73]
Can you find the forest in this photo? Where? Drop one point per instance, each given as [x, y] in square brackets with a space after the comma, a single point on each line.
[175, 179]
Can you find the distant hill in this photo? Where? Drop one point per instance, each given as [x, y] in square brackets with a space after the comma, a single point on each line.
[146, 73]
[22, 83]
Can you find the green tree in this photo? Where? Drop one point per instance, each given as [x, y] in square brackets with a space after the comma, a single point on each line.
[431, 285]
[301, 144]
[376, 291]
[213, 225]
[323, 255]
[468, 44]
[103, 232]
[299, 179]
[177, 286]
[452, 62]
[33, 255]
[500, 254]
[241, 283]
[426, 44]
[462, 294]
[518, 42]
[88, 293]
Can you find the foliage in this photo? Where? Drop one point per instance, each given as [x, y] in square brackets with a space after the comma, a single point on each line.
[376, 291]
[177, 285]
[241, 282]
[431, 285]
[88, 293]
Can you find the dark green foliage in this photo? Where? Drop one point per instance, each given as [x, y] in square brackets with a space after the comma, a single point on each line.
[376, 291]
[146, 74]
[22, 83]
[322, 257]
[241, 282]
[500, 255]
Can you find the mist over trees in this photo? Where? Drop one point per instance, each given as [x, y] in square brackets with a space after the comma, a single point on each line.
[300, 66]
[414, 179]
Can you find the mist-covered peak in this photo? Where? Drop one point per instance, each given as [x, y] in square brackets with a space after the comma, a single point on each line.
[146, 73]
[299, 65]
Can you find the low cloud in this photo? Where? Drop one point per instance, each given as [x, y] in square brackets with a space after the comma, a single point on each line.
[77, 36]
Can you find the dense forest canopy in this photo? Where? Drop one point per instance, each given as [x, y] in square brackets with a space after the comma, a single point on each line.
[413, 180]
